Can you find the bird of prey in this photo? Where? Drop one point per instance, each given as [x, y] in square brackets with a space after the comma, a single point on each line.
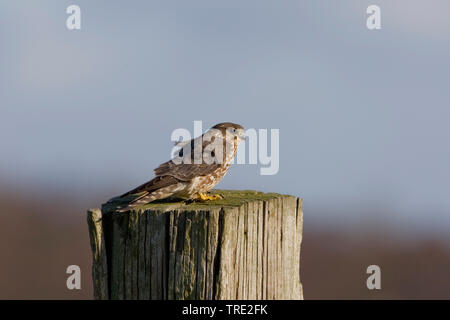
[197, 167]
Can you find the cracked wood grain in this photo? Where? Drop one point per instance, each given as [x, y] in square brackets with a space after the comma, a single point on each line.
[246, 248]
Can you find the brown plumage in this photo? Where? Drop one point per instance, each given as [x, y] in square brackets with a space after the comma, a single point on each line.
[191, 173]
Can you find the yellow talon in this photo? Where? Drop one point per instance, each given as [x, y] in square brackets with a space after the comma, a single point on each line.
[205, 197]
[217, 197]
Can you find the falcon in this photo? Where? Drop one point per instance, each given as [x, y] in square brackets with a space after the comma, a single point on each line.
[197, 167]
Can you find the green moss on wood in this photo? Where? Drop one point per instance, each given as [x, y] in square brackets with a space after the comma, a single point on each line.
[231, 198]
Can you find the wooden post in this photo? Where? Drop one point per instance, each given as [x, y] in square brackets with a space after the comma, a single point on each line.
[246, 246]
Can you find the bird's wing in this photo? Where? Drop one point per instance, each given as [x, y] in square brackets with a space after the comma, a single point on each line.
[154, 184]
[186, 171]
[170, 173]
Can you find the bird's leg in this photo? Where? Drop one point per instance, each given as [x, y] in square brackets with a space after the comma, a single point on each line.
[204, 197]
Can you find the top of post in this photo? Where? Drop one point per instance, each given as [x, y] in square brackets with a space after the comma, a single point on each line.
[231, 198]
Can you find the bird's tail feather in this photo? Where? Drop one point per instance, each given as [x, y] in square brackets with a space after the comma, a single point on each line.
[143, 199]
[148, 197]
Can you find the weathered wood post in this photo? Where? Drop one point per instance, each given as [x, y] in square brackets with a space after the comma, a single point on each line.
[246, 246]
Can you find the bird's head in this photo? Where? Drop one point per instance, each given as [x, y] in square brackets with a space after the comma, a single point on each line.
[231, 131]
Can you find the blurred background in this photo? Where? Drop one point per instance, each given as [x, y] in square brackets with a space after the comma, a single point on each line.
[87, 114]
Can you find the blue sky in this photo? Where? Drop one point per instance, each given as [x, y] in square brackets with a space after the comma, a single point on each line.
[363, 115]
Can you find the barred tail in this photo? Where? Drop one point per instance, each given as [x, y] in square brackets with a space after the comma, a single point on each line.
[143, 199]
[148, 197]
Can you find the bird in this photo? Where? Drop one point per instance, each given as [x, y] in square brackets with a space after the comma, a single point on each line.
[197, 166]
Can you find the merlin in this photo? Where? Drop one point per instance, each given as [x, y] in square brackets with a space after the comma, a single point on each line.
[197, 167]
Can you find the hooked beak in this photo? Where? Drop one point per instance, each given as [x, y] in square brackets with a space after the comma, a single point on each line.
[241, 135]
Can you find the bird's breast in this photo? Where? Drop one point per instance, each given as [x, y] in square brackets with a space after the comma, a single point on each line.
[207, 182]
